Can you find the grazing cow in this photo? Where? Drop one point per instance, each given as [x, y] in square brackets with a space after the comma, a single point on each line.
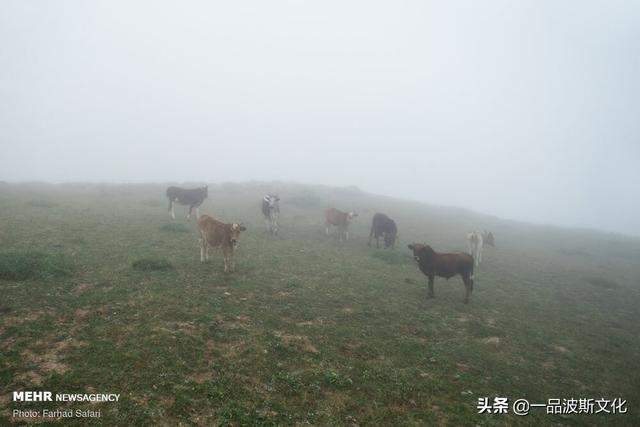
[192, 197]
[271, 212]
[215, 233]
[384, 226]
[339, 219]
[476, 241]
[434, 264]
[487, 238]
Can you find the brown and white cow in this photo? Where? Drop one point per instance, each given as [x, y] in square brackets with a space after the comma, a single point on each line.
[434, 264]
[339, 219]
[214, 233]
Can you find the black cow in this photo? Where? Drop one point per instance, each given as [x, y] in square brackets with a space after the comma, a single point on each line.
[191, 197]
[384, 226]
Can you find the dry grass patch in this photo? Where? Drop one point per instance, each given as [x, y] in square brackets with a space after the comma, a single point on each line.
[300, 342]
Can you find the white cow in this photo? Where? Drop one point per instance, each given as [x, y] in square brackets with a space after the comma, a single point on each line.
[271, 212]
[476, 241]
[474, 246]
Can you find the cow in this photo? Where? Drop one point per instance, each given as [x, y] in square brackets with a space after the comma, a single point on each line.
[191, 197]
[476, 241]
[214, 233]
[382, 225]
[271, 212]
[434, 264]
[488, 239]
[339, 219]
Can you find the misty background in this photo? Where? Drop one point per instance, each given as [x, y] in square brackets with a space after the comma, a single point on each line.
[527, 110]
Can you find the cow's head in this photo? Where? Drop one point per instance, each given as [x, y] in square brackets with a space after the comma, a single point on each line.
[234, 234]
[272, 200]
[421, 251]
[488, 238]
[205, 191]
[390, 239]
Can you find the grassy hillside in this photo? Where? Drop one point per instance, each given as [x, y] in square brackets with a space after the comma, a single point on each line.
[102, 292]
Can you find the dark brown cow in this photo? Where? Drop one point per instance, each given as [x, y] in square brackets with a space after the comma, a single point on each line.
[339, 219]
[382, 225]
[434, 264]
[488, 239]
[215, 233]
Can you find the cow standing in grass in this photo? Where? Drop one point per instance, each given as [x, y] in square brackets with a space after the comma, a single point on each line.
[476, 241]
[382, 225]
[187, 197]
[340, 220]
[271, 212]
[434, 264]
[214, 233]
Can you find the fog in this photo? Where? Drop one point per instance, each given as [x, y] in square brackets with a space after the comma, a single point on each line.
[525, 110]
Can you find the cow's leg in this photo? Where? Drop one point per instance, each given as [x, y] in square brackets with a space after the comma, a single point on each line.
[202, 249]
[431, 293]
[468, 286]
[370, 237]
[377, 242]
[197, 212]
[172, 207]
[206, 251]
[326, 228]
[189, 212]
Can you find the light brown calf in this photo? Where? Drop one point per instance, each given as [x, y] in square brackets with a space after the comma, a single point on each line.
[214, 233]
[340, 219]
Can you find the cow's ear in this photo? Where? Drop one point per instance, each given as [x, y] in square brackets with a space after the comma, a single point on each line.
[410, 246]
[243, 228]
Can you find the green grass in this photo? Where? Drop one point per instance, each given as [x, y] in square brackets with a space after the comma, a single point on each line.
[308, 330]
[152, 264]
[23, 265]
[174, 227]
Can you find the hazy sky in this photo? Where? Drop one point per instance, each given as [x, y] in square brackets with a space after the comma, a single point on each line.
[523, 109]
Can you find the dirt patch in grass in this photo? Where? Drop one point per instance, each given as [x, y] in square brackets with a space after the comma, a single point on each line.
[82, 288]
[299, 342]
[202, 377]
[492, 341]
[81, 314]
[560, 349]
[601, 282]
[48, 362]
[23, 265]
[30, 378]
[152, 264]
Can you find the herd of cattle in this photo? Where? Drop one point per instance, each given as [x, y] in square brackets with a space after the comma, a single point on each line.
[215, 233]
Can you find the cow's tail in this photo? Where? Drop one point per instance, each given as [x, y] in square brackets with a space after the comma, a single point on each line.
[473, 263]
